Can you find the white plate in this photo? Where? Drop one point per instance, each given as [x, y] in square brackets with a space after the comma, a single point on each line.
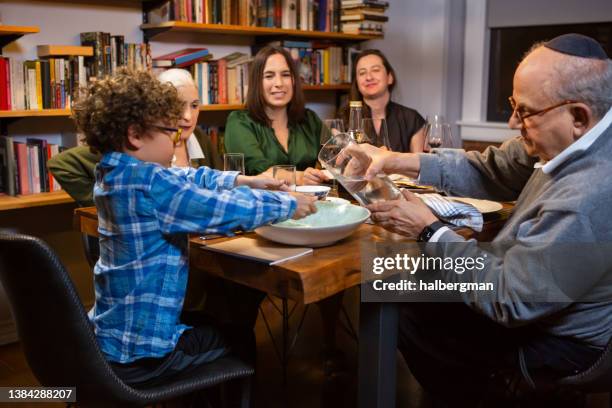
[484, 206]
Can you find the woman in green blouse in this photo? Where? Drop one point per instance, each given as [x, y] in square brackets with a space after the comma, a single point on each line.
[276, 128]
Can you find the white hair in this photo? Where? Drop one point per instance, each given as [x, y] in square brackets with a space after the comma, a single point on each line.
[177, 77]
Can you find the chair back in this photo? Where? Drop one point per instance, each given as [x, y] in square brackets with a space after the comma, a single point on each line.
[56, 335]
[596, 378]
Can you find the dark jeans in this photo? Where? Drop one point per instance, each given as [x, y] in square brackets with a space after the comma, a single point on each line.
[453, 351]
[205, 342]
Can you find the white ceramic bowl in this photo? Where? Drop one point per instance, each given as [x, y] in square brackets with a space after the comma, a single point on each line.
[333, 221]
[319, 191]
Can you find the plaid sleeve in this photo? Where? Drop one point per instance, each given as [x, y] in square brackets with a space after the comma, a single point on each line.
[206, 177]
[183, 206]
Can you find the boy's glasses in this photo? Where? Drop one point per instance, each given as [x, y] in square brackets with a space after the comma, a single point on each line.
[175, 133]
[524, 115]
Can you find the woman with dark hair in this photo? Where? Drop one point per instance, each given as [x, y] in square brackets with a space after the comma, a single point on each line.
[373, 82]
[276, 128]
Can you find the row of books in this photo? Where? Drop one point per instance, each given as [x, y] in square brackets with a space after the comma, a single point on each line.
[364, 16]
[223, 81]
[111, 52]
[40, 84]
[318, 63]
[23, 166]
[319, 15]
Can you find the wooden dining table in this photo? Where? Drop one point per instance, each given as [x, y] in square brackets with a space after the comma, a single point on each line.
[319, 275]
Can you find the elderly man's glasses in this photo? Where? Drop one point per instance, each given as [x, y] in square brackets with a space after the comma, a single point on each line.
[175, 133]
[524, 115]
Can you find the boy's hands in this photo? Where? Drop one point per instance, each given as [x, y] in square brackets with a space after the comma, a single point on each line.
[261, 181]
[305, 205]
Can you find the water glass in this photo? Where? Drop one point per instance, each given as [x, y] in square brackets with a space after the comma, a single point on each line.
[233, 162]
[375, 130]
[350, 172]
[286, 173]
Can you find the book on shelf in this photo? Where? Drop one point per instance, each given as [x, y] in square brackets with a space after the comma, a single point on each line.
[8, 166]
[258, 250]
[182, 58]
[364, 17]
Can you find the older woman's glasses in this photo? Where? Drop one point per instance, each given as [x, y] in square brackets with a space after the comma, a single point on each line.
[174, 133]
[524, 115]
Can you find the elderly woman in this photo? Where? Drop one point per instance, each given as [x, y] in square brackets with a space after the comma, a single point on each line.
[74, 168]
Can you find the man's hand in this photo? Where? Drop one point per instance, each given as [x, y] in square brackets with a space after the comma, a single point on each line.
[305, 205]
[379, 160]
[406, 217]
[314, 176]
[261, 181]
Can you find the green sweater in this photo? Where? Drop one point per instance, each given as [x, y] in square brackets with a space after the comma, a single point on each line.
[261, 147]
[74, 168]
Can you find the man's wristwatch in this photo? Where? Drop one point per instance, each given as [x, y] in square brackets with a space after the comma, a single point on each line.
[429, 230]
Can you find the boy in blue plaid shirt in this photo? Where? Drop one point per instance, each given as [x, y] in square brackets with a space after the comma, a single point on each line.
[146, 209]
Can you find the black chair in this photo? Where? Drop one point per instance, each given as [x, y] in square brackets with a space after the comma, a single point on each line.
[595, 379]
[59, 343]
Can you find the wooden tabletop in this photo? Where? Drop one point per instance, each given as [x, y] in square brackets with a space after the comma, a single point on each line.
[309, 278]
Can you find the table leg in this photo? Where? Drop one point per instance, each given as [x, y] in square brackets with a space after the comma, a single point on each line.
[378, 323]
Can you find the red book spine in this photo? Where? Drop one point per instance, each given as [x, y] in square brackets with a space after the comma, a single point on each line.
[21, 154]
[222, 67]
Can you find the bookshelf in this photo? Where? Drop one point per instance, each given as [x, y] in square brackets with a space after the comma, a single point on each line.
[63, 50]
[34, 200]
[153, 30]
[9, 33]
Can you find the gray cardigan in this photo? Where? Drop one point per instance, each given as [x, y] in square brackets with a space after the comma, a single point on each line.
[552, 262]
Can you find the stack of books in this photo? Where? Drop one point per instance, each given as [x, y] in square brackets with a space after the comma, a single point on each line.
[182, 58]
[364, 16]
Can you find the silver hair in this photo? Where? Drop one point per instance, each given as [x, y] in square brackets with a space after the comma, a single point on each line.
[580, 79]
[177, 77]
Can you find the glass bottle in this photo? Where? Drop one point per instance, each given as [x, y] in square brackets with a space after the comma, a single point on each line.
[354, 126]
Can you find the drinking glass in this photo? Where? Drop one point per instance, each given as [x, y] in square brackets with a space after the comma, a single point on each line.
[233, 162]
[437, 135]
[378, 137]
[350, 172]
[285, 173]
[331, 127]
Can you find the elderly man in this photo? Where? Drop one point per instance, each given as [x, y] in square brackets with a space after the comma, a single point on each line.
[557, 172]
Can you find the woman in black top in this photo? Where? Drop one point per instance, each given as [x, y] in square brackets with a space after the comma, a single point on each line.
[373, 82]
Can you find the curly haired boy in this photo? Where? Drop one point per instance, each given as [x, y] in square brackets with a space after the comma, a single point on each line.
[146, 211]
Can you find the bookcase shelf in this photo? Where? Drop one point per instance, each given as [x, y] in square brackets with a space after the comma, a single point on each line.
[34, 200]
[152, 30]
[34, 113]
[63, 50]
[203, 108]
[9, 33]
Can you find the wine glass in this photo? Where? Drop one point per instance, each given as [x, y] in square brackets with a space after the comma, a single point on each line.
[378, 137]
[437, 135]
[331, 127]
